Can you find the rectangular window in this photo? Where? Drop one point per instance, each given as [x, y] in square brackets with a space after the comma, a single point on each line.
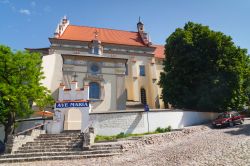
[142, 70]
[126, 72]
[96, 50]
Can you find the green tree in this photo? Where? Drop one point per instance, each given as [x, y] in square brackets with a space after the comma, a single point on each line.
[204, 70]
[20, 76]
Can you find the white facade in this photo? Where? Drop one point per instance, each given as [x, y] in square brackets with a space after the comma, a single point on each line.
[118, 55]
[52, 68]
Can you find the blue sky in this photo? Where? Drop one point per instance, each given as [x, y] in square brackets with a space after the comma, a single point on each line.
[29, 23]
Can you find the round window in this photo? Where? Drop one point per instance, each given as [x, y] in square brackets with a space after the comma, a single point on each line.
[94, 68]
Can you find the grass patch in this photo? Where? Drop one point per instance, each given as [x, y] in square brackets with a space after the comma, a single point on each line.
[123, 135]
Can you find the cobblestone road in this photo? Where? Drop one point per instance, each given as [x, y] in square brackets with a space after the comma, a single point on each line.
[198, 145]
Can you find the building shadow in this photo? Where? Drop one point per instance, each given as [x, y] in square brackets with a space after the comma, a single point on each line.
[135, 123]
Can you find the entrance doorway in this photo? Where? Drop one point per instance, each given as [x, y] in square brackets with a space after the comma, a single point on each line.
[73, 119]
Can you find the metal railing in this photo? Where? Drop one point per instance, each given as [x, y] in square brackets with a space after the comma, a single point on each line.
[30, 129]
[87, 128]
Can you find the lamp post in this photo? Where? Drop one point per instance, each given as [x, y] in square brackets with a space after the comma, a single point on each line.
[146, 108]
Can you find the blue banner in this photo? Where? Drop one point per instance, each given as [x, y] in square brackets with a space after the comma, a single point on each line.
[72, 104]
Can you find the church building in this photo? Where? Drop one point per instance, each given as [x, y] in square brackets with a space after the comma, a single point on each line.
[121, 68]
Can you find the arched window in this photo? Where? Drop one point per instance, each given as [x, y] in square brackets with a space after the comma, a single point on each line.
[94, 90]
[143, 96]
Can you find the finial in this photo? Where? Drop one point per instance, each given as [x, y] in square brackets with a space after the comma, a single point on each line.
[140, 20]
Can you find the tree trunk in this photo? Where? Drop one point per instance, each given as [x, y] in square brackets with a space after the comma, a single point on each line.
[9, 126]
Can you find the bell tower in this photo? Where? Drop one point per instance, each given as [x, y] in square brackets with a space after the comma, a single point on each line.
[144, 35]
[140, 26]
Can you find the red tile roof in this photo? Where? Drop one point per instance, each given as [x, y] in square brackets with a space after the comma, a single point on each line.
[159, 51]
[84, 33]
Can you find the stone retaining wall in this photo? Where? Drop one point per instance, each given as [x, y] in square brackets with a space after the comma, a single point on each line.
[23, 139]
[112, 123]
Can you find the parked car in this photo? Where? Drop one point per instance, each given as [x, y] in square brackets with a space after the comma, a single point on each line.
[2, 147]
[228, 119]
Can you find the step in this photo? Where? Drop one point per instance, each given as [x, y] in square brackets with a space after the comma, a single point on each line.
[58, 135]
[62, 149]
[23, 155]
[48, 150]
[25, 147]
[105, 145]
[52, 139]
[66, 157]
[61, 137]
[50, 143]
[55, 141]
[71, 131]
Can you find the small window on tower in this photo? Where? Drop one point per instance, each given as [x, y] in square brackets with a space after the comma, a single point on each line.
[142, 70]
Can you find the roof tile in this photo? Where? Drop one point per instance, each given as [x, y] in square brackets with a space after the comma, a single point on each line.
[159, 51]
[84, 33]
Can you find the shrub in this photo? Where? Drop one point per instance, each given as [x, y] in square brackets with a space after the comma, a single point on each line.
[163, 130]
[104, 138]
[168, 129]
[160, 130]
[121, 135]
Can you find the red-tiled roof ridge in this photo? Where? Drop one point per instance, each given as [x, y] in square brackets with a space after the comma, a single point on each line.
[105, 35]
[159, 51]
[102, 28]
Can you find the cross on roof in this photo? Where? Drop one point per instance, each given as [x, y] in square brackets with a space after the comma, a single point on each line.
[96, 34]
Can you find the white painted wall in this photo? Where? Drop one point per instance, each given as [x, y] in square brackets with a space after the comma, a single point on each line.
[70, 118]
[57, 125]
[1, 133]
[112, 123]
[52, 68]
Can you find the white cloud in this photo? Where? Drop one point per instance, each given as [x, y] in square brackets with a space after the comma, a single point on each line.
[24, 11]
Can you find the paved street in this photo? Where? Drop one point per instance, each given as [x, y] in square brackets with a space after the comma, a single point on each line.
[199, 145]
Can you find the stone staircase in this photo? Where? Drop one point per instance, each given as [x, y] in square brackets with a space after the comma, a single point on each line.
[64, 146]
